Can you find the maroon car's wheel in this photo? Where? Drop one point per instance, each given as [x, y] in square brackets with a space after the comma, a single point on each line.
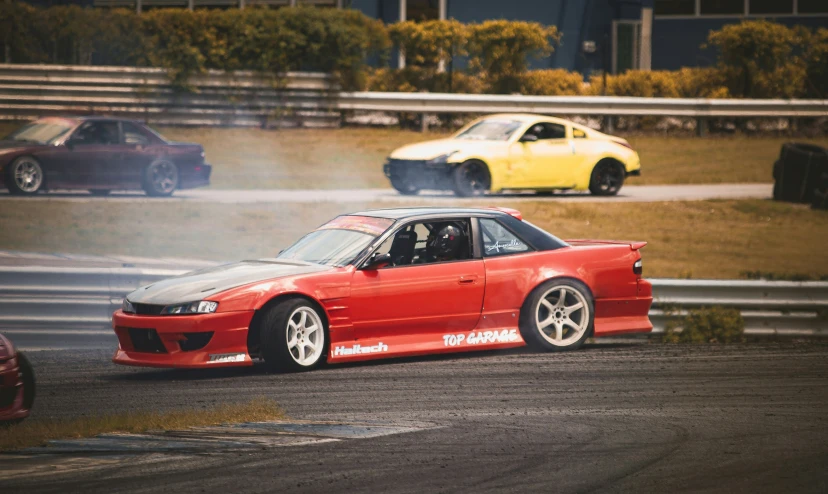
[293, 336]
[557, 316]
[161, 178]
[25, 176]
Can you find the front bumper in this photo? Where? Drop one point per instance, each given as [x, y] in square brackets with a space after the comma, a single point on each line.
[11, 392]
[196, 341]
[198, 177]
[419, 173]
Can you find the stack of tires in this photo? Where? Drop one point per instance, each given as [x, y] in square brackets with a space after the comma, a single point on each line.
[801, 175]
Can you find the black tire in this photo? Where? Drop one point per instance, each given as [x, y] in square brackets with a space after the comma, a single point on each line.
[607, 178]
[403, 187]
[99, 192]
[471, 179]
[37, 176]
[274, 333]
[160, 178]
[27, 371]
[535, 337]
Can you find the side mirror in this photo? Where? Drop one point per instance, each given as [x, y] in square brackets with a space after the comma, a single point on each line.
[529, 138]
[377, 261]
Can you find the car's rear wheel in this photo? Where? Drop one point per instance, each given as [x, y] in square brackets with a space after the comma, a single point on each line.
[160, 178]
[471, 179]
[99, 192]
[557, 316]
[607, 178]
[293, 336]
[25, 176]
[404, 187]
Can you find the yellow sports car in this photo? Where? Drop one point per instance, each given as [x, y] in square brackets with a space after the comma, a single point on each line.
[513, 152]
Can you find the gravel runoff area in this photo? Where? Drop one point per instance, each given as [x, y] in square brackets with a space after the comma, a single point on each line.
[631, 417]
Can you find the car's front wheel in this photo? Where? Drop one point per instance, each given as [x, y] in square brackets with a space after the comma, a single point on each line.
[160, 178]
[607, 178]
[404, 187]
[293, 336]
[25, 176]
[557, 316]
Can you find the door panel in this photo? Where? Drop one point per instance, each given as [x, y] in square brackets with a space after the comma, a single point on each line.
[547, 162]
[415, 299]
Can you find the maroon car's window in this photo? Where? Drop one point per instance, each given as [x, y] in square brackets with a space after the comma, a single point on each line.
[134, 134]
[104, 132]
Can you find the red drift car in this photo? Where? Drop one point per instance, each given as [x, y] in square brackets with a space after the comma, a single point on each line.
[17, 384]
[391, 283]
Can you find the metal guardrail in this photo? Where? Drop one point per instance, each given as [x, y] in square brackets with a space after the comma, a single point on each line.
[309, 99]
[75, 298]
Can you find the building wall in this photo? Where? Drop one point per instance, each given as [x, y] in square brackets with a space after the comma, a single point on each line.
[677, 42]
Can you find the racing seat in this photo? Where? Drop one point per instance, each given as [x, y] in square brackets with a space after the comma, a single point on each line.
[402, 247]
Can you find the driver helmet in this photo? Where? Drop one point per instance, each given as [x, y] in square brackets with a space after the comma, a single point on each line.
[445, 243]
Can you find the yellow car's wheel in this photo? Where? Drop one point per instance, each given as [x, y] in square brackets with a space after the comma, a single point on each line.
[607, 178]
[471, 179]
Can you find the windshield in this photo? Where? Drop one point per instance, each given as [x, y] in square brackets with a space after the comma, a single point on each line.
[41, 132]
[338, 242]
[490, 130]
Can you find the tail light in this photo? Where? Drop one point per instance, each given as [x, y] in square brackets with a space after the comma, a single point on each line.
[638, 267]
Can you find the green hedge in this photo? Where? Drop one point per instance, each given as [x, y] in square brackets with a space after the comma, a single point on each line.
[758, 59]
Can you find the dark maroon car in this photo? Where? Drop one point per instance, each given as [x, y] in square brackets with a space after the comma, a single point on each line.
[99, 154]
[17, 383]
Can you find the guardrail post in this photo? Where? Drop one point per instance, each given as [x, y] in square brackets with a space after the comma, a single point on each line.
[609, 124]
[701, 127]
[424, 123]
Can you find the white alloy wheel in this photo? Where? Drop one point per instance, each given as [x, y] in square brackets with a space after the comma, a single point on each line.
[305, 336]
[562, 315]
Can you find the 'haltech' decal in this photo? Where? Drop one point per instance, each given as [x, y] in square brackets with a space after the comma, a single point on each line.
[481, 337]
[359, 349]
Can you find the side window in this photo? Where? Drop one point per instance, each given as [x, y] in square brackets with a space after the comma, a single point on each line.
[97, 133]
[134, 134]
[578, 134]
[546, 130]
[498, 241]
[429, 242]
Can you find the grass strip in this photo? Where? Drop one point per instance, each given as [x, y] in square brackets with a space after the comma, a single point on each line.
[37, 431]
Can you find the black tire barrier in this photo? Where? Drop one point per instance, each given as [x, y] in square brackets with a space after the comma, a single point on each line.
[820, 199]
[798, 173]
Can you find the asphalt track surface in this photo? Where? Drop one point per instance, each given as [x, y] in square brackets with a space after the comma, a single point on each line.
[630, 193]
[612, 417]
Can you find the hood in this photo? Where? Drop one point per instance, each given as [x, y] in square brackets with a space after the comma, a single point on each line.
[15, 145]
[204, 283]
[431, 149]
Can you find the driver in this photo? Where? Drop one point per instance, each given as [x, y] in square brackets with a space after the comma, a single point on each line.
[444, 244]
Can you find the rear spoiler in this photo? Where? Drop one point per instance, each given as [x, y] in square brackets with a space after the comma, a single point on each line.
[633, 245]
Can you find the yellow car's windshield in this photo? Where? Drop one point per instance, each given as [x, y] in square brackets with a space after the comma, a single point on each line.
[490, 130]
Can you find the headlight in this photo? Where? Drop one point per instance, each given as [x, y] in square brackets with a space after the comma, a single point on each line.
[127, 307]
[440, 160]
[201, 307]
